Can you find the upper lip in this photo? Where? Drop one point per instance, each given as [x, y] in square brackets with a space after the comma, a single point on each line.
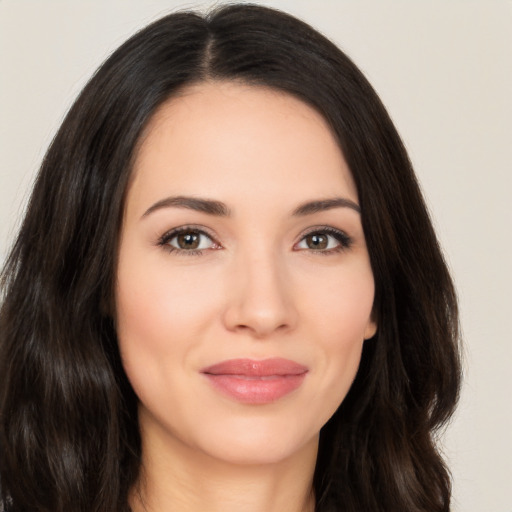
[256, 368]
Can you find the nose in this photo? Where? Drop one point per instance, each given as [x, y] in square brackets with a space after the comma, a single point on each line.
[260, 300]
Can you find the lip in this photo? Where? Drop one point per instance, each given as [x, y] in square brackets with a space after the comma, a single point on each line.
[256, 381]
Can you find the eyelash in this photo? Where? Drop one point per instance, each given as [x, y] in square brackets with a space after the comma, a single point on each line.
[345, 241]
[164, 240]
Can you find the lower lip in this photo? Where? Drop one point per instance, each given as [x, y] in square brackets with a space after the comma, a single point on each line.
[256, 390]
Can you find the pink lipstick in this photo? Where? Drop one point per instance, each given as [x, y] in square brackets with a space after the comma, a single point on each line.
[256, 382]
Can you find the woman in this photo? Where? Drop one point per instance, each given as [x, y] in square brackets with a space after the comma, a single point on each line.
[227, 292]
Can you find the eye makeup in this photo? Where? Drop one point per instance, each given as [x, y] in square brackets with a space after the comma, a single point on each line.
[188, 240]
[191, 240]
[324, 240]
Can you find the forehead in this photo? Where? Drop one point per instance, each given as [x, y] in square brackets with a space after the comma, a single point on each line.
[232, 140]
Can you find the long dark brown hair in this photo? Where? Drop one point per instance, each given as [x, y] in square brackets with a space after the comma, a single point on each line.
[69, 437]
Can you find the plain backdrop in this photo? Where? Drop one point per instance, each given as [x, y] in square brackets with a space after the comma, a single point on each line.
[444, 70]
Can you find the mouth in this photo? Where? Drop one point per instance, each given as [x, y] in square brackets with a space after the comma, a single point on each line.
[256, 381]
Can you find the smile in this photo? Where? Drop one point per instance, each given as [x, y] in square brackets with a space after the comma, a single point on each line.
[256, 382]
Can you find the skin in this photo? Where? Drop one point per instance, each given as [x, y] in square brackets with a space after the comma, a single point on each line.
[258, 288]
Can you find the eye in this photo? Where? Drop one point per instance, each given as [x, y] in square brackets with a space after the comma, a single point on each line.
[187, 239]
[326, 240]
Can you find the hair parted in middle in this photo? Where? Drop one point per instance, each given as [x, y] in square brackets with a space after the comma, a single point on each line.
[69, 438]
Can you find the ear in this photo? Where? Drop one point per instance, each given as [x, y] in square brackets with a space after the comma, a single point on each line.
[371, 328]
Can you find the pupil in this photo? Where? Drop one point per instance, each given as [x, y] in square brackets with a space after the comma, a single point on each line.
[317, 241]
[188, 241]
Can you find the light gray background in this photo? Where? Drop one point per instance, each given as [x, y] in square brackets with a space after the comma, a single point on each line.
[444, 70]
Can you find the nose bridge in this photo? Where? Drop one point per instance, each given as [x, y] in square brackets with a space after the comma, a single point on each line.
[261, 300]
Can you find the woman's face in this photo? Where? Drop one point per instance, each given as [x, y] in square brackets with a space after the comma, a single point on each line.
[244, 288]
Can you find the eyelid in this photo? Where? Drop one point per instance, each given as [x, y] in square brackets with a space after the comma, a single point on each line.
[164, 239]
[345, 241]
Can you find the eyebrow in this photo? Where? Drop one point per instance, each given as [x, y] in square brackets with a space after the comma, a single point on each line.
[209, 206]
[219, 209]
[325, 204]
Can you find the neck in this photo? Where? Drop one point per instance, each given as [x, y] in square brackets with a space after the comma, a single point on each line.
[178, 478]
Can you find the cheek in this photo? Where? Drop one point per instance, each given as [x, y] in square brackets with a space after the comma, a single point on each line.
[142, 326]
[155, 303]
[340, 315]
[161, 320]
[156, 317]
[343, 306]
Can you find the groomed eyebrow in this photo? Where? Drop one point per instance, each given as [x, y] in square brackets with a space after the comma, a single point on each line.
[219, 209]
[325, 204]
[209, 206]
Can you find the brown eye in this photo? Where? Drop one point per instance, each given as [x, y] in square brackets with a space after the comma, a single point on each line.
[317, 241]
[188, 240]
[326, 241]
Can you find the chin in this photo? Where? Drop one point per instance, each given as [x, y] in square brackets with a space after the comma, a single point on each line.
[257, 444]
